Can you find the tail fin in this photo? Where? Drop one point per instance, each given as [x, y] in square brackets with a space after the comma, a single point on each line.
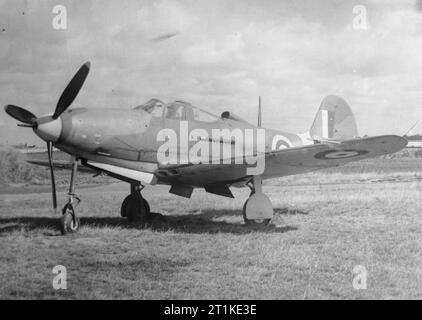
[334, 120]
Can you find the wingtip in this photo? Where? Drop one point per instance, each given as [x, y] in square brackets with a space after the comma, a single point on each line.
[400, 144]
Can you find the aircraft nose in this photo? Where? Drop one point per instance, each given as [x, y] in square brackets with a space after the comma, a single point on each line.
[49, 129]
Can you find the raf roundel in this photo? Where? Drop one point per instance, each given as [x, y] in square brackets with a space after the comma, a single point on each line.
[339, 154]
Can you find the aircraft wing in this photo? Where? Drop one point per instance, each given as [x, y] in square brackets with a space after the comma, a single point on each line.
[61, 165]
[284, 162]
[278, 163]
[61, 161]
[328, 154]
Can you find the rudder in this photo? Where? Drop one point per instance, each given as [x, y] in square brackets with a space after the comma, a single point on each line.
[334, 120]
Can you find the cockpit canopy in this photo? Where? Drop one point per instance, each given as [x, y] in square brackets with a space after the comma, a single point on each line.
[177, 110]
[153, 107]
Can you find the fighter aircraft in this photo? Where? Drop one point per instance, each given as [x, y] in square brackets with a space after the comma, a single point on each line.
[134, 146]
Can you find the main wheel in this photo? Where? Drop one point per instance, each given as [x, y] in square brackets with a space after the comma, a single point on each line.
[68, 224]
[135, 208]
[123, 208]
[255, 222]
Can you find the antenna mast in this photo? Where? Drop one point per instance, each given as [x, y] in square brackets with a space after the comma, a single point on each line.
[259, 113]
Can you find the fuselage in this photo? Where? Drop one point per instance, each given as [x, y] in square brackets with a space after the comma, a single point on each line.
[131, 139]
[133, 135]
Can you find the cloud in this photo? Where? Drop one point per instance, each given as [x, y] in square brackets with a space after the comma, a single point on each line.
[225, 54]
[211, 53]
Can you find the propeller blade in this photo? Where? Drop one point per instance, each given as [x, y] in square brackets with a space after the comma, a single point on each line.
[53, 182]
[69, 94]
[20, 114]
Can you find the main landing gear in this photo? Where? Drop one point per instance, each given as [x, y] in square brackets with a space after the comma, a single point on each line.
[69, 222]
[134, 207]
[257, 210]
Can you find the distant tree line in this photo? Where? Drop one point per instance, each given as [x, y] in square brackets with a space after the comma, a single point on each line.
[415, 137]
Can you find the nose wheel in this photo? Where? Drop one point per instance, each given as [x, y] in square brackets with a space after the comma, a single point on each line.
[69, 222]
[134, 207]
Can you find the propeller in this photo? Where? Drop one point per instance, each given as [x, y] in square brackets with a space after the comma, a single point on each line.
[53, 181]
[49, 128]
[20, 114]
[69, 94]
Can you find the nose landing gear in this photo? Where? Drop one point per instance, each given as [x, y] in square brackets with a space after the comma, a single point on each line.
[134, 207]
[69, 222]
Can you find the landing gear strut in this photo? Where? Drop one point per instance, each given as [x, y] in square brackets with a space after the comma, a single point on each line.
[257, 210]
[134, 207]
[69, 222]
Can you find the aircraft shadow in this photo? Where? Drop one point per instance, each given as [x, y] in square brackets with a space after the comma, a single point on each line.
[204, 223]
[213, 213]
[287, 211]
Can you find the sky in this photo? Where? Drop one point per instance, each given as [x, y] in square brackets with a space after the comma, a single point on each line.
[219, 55]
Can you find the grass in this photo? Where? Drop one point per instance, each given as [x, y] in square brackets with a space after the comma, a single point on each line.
[16, 175]
[200, 249]
[14, 168]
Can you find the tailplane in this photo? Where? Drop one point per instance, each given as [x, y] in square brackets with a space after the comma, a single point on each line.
[334, 121]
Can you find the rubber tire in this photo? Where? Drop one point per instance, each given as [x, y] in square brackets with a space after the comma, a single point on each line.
[67, 225]
[124, 206]
[254, 223]
[130, 209]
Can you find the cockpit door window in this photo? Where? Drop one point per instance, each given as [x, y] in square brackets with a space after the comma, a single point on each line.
[175, 111]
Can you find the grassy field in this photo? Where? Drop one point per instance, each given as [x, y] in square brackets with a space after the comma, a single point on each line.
[366, 214]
